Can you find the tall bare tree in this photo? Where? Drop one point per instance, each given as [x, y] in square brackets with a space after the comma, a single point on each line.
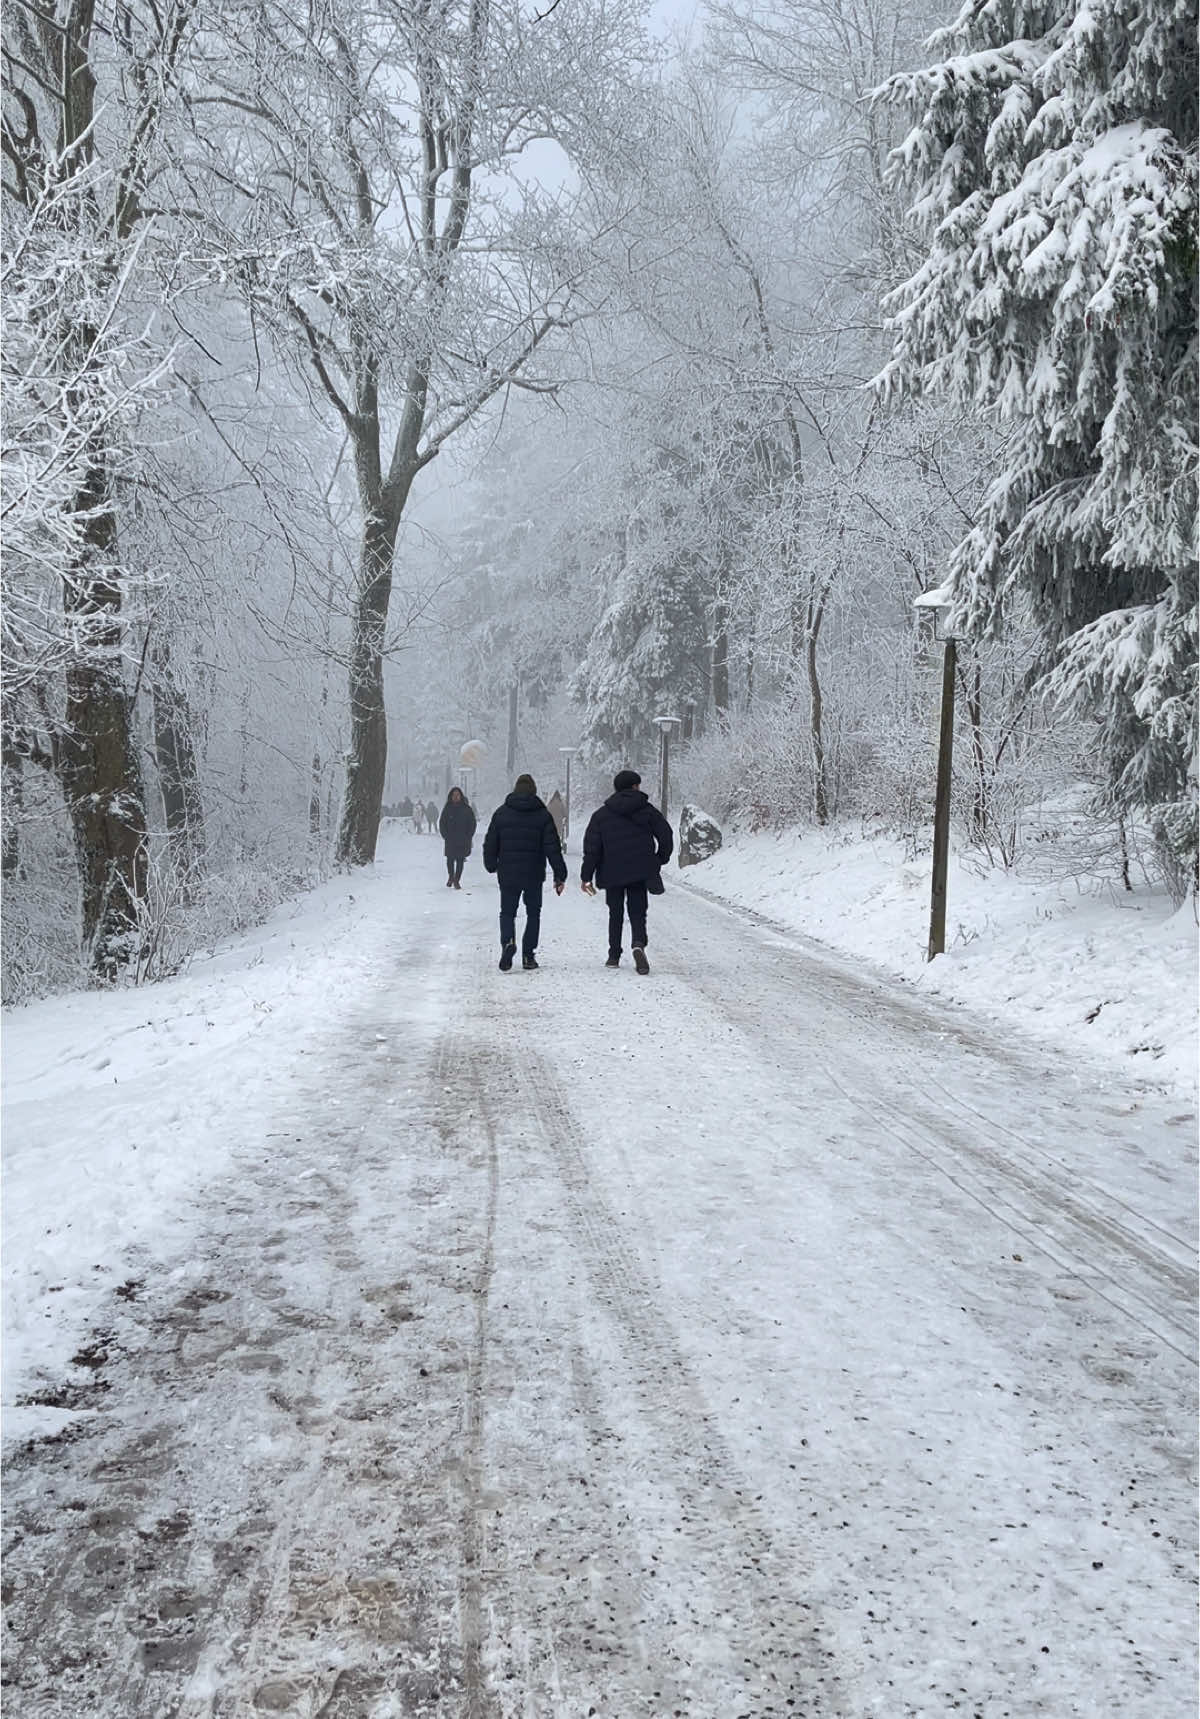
[86, 97]
[390, 242]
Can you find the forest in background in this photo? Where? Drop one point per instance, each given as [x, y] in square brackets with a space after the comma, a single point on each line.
[374, 371]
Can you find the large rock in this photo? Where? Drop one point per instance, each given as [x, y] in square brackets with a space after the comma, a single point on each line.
[699, 836]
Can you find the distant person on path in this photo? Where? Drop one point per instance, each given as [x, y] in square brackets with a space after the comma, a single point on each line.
[418, 817]
[520, 840]
[625, 846]
[558, 811]
[431, 818]
[457, 824]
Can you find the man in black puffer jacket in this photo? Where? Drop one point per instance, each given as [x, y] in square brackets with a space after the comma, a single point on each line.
[625, 846]
[521, 838]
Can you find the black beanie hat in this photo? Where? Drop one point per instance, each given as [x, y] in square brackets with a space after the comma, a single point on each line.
[626, 779]
[524, 785]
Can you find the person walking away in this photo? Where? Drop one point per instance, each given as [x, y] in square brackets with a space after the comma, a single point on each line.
[625, 846]
[558, 811]
[457, 824]
[431, 818]
[521, 840]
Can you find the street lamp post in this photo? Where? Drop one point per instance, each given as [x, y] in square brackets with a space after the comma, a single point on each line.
[938, 603]
[568, 753]
[665, 724]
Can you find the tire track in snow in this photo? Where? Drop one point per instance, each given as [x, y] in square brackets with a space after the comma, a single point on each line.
[1144, 1283]
[1149, 1271]
[451, 1051]
[785, 1665]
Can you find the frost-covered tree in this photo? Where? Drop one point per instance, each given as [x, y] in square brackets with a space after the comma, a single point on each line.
[392, 236]
[88, 93]
[1053, 159]
[650, 647]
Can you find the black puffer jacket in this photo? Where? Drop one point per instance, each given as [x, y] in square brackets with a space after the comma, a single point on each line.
[627, 841]
[521, 838]
[457, 824]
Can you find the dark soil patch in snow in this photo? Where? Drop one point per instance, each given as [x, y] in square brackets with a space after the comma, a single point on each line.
[68, 1396]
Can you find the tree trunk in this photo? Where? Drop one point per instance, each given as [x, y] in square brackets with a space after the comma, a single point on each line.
[366, 761]
[720, 665]
[510, 762]
[314, 797]
[244, 755]
[10, 841]
[99, 764]
[1123, 843]
[799, 616]
[815, 724]
[980, 799]
[178, 776]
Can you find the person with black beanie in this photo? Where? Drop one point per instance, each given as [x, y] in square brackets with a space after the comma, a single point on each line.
[625, 846]
[520, 840]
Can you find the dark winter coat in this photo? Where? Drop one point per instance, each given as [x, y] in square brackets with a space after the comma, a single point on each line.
[627, 841]
[521, 838]
[457, 824]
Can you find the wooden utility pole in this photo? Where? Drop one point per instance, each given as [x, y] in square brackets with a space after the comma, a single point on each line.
[941, 806]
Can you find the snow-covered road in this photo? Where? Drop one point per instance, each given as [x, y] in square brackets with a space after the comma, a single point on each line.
[744, 1340]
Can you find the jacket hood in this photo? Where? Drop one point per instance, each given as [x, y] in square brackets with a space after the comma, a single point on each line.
[524, 802]
[627, 801]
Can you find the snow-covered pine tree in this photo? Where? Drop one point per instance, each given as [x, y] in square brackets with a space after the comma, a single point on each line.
[1053, 158]
[649, 650]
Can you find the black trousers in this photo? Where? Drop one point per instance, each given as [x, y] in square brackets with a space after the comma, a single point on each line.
[510, 898]
[454, 868]
[631, 896]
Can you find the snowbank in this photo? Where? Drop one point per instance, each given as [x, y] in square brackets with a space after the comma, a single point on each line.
[1099, 972]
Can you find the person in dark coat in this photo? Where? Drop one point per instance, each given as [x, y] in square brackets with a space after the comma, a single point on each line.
[625, 846]
[431, 817]
[457, 824]
[520, 840]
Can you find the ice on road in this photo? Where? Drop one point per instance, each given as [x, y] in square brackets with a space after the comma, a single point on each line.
[747, 1339]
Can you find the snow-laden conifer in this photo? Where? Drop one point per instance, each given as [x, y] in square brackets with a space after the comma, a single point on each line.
[1053, 159]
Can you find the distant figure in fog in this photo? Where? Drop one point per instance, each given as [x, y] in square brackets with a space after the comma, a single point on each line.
[418, 817]
[457, 824]
[431, 818]
[558, 811]
[521, 839]
[625, 846]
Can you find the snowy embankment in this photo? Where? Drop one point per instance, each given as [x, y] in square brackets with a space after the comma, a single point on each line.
[1096, 971]
[120, 1107]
